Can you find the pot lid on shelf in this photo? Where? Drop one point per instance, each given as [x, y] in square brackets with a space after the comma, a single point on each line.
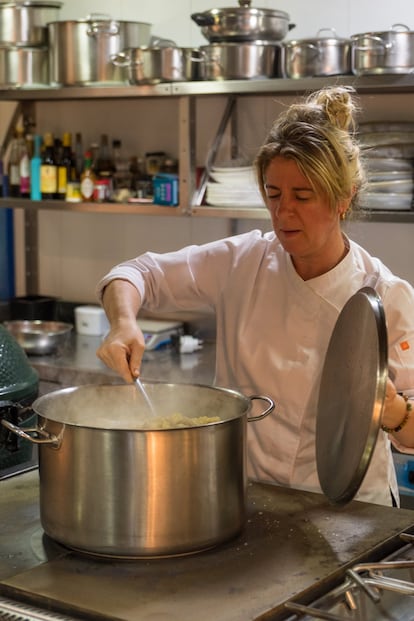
[351, 396]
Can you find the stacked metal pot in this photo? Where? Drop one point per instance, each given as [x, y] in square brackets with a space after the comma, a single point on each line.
[162, 61]
[321, 56]
[385, 52]
[24, 41]
[81, 52]
[390, 51]
[244, 42]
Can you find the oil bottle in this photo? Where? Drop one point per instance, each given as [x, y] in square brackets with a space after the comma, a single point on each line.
[48, 169]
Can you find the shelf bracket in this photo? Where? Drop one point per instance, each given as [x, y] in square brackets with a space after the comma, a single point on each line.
[186, 140]
[228, 113]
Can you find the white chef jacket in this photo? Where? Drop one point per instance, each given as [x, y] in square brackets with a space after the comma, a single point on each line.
[273, 330]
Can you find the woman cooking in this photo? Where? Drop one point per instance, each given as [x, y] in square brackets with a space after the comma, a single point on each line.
[277, 295]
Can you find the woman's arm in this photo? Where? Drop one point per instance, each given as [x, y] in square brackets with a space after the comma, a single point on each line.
[124, 346]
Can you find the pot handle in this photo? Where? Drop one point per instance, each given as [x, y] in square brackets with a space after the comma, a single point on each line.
[400, 27]
[297, 53]
[121, 59]
[332, 31]
[41, 437]
[201, 19]
[101, 24]
[267, 411]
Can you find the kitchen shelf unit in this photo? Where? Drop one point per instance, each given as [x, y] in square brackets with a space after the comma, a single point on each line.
[187, 93]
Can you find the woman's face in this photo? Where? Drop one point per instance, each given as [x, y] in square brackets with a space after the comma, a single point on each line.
[303, 220]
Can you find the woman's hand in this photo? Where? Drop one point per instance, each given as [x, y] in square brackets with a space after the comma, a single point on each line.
[122, 350]
[395, 407]
[124, 346]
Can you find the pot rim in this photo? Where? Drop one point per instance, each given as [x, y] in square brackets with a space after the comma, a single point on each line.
[256, 43]
[100, 20]
[47, 4]
[238, 11]
[400, 33]
[317, 41]
[36, 406]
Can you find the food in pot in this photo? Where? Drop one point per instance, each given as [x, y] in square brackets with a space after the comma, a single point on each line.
[178, 420]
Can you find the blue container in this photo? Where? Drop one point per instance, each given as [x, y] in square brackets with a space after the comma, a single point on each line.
[7, 283]
[165, 189]
[404, 468]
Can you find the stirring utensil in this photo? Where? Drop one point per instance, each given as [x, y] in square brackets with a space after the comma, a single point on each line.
[143, 392]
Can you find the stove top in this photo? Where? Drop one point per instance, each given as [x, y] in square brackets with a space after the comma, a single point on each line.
[369, 591]
[295, 546]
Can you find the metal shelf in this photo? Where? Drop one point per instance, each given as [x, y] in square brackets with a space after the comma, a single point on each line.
[391, 83]
[255, 213]
[83, 92]
[147, 209]
[198, 211]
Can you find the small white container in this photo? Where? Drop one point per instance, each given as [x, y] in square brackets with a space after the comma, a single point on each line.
[91, 320]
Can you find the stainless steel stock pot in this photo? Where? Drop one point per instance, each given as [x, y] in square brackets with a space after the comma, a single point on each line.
[111, 486]
[390, 51]
[24, 22]
[153, 64]
[325, 55]
[81, 51]
[242, 61]
[243, 23]
[24, 66]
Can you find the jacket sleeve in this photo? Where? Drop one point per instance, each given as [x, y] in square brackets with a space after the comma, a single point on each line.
[193, 278]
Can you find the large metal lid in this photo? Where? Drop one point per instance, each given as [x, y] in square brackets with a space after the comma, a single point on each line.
[351, 396]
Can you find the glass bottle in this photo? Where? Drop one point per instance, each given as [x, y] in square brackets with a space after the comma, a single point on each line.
[94, 148]
[78, 154]
[105, 166]
[35, 165]
[48, 169]
[14, 164]
[24, 168]
[122, 175]
[88, 178]
[65, 166]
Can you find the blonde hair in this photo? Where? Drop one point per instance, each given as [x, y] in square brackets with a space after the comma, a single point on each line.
[319, 135]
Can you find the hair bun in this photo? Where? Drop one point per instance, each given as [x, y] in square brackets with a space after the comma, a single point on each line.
[338, 105]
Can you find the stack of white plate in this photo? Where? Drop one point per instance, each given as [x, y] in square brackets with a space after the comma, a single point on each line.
[233, 186]
[388, 150]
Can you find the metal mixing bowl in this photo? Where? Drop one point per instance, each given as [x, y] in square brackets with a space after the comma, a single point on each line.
[39, 337]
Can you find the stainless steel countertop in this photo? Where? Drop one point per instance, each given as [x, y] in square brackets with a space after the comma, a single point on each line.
[76, 363]
[291, 541]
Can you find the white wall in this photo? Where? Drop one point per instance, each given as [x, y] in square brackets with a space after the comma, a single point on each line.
[172, 18]
[77, 249]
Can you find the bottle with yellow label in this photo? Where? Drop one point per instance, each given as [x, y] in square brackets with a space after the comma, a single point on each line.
[65, 166]
[48, 169]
